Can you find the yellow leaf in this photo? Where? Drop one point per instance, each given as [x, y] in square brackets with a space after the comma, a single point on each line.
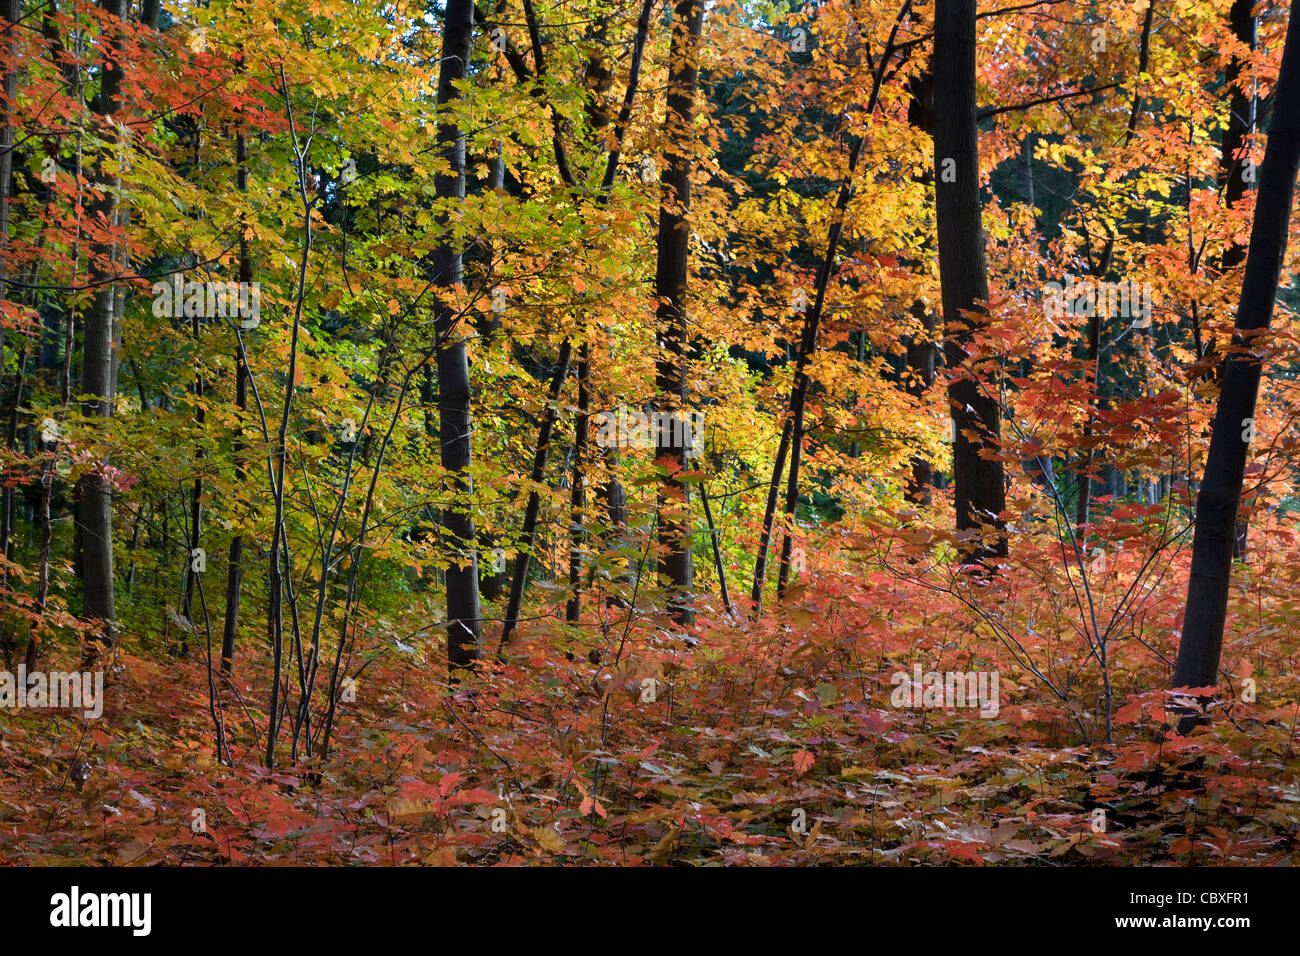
[549, 839]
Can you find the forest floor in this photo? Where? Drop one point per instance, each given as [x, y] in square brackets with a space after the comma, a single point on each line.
[769, 743]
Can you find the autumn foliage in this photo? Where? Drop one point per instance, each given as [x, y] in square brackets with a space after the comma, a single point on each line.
[290, 540]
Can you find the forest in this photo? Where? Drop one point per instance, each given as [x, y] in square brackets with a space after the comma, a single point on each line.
[633, 433]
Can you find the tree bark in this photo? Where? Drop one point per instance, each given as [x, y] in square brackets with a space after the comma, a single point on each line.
[922, 351]
[921, 355]
[235, 556]
[1099, 272]
[1083, 506]
[980, 489]
[1241, 125]
[612, 492]
[454, 415]
[676, 566]
[11, 10]
[577, 485]
[94, 504]
[1232, 169]
[1216, 505]
[792, 429]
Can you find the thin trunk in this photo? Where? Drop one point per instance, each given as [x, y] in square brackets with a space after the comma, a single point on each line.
[279, 581]
[860, 352]
[1100, 271]
[493, 582]
[1225, 465]
[454, 414]
[1233, 170]
[11, 10]
[921, 355]
[538, 474]
[10, 443]
[1093, 366]
[48, 467]
[519, 578]
[717, 550]
[577, 487]
[235, 556]
[612, 495]
[792, 429]
[94, 505]
[676, 566]
[196, 493]
[922, 350]
[980, 493]
[196, 504]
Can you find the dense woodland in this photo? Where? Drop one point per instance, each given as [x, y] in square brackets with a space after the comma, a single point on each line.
[598, 431]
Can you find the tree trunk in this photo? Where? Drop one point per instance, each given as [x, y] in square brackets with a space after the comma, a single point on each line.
[492, 582]
[10, 10]
[1225, 464]
[235, 556]
[529, 533]
[1241, 124]
[1233, 169]
[921, 354]
[792, 430]
[980, 492]
[611, 492]
[1083, 506]
[675, 563]
[94, 504]
[196, 496]
[454, 421]
[577, 486]
[1099, 272]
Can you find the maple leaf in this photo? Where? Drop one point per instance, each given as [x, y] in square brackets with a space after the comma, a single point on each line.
[803, 762]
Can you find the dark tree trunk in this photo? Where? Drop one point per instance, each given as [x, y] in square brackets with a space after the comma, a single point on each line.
[10, 10]
[523, 559]
[577, 486]
[10, 442]
[492, 581]
[792, 429]
[1233, 170]
[1225, 464]
[598, 78]
[1233, 178]
[463, 634]
[94, 504]
[718, 567]
[921, 355]
[196, 497]
[1099, 272]
[235, 557]
[519, 578]
[1083, 506]
[922, 352]
[980, 490]
[611, 492]
[675, 563]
